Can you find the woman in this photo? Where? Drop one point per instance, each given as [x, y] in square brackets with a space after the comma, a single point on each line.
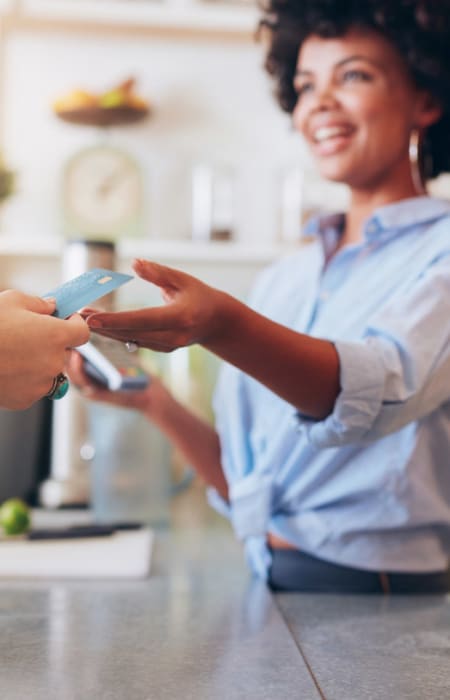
[330, 453]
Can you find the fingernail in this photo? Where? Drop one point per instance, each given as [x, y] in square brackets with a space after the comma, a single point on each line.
[94, 323]
[51, 300]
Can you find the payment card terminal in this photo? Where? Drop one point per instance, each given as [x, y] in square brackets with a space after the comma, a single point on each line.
[112, 365]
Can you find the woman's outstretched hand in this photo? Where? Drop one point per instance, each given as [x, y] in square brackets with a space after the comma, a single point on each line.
[269, 352]
[193, 312]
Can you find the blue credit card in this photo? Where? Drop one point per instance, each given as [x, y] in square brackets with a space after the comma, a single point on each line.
[83, 290]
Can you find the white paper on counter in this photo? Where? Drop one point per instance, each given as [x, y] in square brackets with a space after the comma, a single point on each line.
[123, 555]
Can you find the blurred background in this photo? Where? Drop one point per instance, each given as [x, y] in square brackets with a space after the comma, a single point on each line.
[150, 124]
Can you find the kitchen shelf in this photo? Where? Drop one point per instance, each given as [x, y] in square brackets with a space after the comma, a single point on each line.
[194, 15]
[162, 251]
[189, 251]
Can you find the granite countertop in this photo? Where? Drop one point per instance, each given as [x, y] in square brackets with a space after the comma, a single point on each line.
[375, 647]
[200, 628]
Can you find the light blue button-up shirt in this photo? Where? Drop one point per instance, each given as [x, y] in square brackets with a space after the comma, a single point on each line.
[369, 486]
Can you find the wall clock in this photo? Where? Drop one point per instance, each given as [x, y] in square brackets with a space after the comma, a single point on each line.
[102, 194]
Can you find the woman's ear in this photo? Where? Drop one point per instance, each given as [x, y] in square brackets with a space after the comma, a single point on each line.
[428, 112]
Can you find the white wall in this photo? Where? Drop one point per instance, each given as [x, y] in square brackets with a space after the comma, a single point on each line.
[212, 101]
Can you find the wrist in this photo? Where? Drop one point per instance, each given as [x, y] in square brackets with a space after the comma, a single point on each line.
[228, 324]
[159, 404]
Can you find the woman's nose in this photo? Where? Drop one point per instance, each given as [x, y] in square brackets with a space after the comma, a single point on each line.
[324, 96]
[322, 99]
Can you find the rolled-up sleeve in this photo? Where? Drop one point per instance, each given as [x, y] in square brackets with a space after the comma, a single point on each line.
[398, 372]
[360, 399]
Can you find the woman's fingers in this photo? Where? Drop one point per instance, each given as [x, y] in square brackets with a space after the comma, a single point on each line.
[171, 282]
[160, 275]
[161, 341]
[156, 318]
[88, 311]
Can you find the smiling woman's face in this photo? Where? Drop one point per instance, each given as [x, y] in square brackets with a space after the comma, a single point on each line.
[357, 107]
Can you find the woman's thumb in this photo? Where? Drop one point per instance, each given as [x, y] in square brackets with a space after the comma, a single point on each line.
[162, 276]
[40, 305]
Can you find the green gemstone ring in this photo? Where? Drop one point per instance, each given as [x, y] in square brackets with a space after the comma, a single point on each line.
[60, 387]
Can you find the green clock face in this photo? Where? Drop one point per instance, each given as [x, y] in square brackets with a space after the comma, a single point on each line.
[102, 194]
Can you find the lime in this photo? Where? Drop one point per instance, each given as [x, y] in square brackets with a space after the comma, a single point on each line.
[14, 517]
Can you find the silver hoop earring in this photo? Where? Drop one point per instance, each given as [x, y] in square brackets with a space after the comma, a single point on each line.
[414, 160]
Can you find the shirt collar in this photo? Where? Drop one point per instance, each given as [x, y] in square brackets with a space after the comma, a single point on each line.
[388, 219]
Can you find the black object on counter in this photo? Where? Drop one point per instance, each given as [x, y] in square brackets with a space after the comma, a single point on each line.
[79, 531]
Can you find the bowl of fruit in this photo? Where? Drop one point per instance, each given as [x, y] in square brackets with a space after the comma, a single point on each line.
[114, 107]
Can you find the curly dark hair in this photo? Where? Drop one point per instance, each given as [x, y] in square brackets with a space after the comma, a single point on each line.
[419, 29]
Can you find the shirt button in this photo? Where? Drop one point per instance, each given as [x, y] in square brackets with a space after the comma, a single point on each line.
[372, 228]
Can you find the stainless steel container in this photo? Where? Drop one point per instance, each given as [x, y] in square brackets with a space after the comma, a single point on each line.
[213, 205]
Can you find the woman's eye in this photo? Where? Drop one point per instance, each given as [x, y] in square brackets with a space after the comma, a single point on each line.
[303, 88]
[355, 75]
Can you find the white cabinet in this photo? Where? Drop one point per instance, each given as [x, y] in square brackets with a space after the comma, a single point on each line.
[6, 6]
[194, 15]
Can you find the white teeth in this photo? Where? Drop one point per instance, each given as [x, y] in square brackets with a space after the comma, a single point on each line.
[329, 132]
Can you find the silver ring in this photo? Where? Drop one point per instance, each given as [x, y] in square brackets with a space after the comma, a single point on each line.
[59, 388]
[132, 345]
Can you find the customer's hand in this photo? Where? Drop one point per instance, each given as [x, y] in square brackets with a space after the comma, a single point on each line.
[33, 347]
[193, 312]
